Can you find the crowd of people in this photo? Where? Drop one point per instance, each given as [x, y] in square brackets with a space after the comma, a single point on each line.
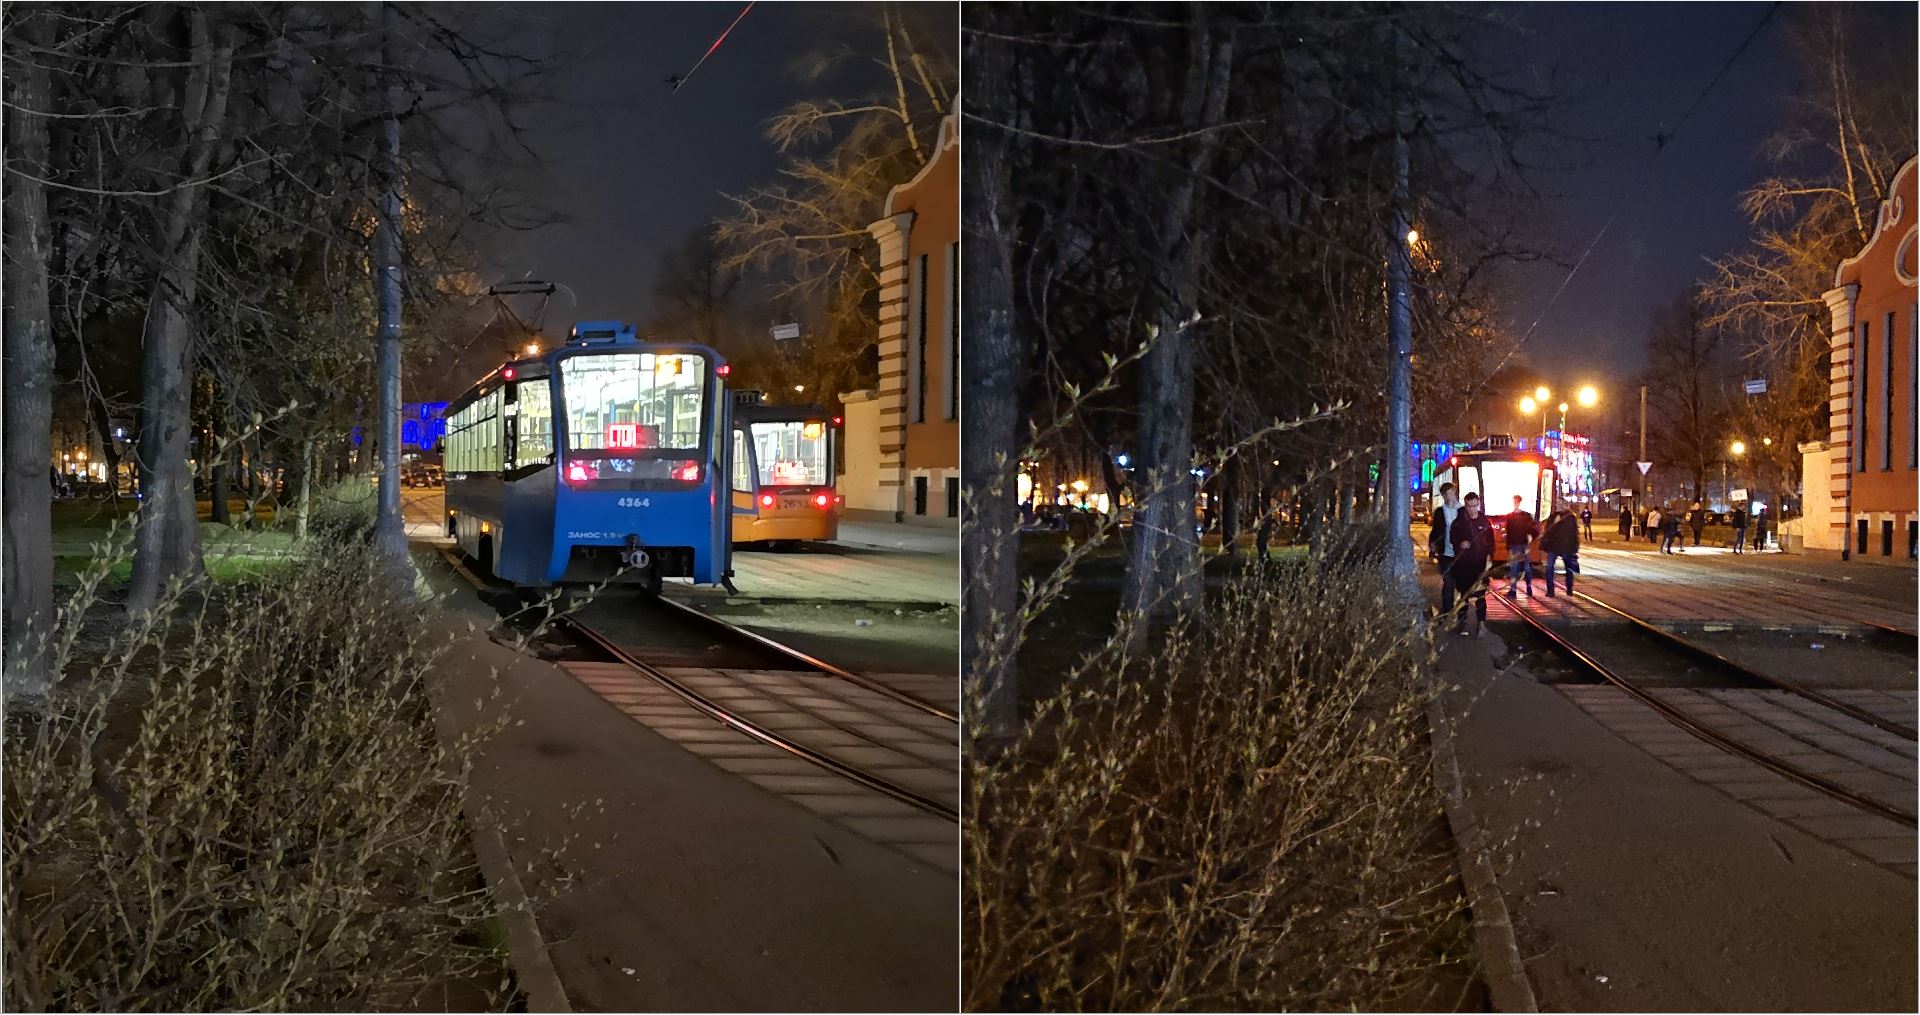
[1460, 543]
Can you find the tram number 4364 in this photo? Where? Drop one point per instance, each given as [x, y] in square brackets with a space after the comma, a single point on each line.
[635, 502]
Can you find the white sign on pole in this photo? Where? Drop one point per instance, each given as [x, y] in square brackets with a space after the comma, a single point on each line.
[1740, 494]
[1758, 387]
[1644, 466]
[785, 332]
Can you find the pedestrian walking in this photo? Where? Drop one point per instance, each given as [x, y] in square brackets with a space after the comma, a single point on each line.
[1521, 532]
[1586, 525]
[1760, 530]
[1440, 544]
[1670, 541]
[1651, 527]
[1739, 530]
[1626, 522]
[1561, 541]
[1472, 540]
[1697, 521]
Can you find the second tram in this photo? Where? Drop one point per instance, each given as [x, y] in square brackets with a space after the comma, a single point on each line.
[603, 459]
[1498, 472]
[783, 472]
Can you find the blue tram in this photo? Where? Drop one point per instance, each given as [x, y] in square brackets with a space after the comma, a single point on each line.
[606, 458]
[783, 472]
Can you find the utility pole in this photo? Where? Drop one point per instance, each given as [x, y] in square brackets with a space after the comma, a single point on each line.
[1400, 338]
[389, 534]
[1643, 448]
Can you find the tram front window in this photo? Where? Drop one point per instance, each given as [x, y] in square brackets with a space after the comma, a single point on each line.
[792, 454]
[1507, 480]
[634, 403]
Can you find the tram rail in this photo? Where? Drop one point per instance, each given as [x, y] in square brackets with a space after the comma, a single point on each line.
[1680, 646]
[611, 650]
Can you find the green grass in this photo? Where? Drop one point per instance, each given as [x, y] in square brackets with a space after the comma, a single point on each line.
[232, 553]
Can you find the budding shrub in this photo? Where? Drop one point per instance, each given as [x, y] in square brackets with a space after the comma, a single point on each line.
[240, 802]
[1241, 818]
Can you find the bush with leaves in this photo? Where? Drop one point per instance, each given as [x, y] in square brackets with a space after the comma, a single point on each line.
[237, 800]
[1237, 817]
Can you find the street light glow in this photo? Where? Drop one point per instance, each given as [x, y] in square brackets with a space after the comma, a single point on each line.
[1563, 408]
[1588, 396]
[1527, 405]
[799, 387]
[1413, 237]
[1541, 394]
[1738, 447]
[533, 348]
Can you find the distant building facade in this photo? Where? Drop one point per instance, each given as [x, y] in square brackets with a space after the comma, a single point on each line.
[910, 423]
[1862, 479]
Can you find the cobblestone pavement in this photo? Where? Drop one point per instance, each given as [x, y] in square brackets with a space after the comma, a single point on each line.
[1864, 759]
[1723, 598]
[1707, 585]
[842, 720]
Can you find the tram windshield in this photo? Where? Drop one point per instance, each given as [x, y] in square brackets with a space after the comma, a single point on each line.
[634, 402]
[1507, 480]
[792, 453]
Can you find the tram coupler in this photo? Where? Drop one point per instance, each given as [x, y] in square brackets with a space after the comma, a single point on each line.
[726, 582]
[635, 556]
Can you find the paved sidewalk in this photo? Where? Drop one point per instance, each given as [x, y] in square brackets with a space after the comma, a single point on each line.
[685, 887]
[907, 538]
[821, 572]
[1634, 886]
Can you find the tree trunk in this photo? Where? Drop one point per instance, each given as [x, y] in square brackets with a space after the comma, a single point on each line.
[991, 370]
[221, 454]
[1163, 576]
[304, 505]
[167, 538]
[1230, 504]
[28, 405]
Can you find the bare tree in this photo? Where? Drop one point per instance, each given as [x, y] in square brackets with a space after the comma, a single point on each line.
[28, 564]
[1687, 378]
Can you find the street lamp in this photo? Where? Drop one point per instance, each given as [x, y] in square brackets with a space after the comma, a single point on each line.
[1589, 396]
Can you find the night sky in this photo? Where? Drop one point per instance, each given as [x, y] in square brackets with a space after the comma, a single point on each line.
[1637, 68]
[635, 167]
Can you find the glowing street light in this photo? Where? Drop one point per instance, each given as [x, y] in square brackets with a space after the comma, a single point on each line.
[1588, 397]
[799, 387]
[1541, 394]
[1528, 405]
[533, 348]
[1413, 237]
[1738, 447]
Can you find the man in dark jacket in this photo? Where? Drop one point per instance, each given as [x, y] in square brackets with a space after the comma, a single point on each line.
[1521, 530]
[1697, 521]
[1670, 541]
[1626, 522]
[1440, 546]
[1740, 529]
[1562, 540]
[1472, 538]
[1586, 524]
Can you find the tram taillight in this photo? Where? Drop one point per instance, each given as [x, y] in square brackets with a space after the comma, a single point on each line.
[577, 473]
[688, 471]
[724, 369]
[766, 500]
[822, 500]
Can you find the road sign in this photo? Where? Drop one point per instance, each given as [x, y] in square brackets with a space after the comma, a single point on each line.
[1644, 466]
[1740, 494]
[785, 332]
[1758, 387]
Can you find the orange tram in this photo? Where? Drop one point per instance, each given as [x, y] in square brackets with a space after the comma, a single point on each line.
[783, 473]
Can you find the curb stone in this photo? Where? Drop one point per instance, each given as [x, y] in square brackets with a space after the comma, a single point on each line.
[1493, 935]
[526, 949]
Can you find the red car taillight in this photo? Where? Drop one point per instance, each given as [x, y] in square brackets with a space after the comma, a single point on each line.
[766, 500]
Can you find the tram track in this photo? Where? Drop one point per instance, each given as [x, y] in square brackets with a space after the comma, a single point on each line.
[1739, 674]
[610, 649]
